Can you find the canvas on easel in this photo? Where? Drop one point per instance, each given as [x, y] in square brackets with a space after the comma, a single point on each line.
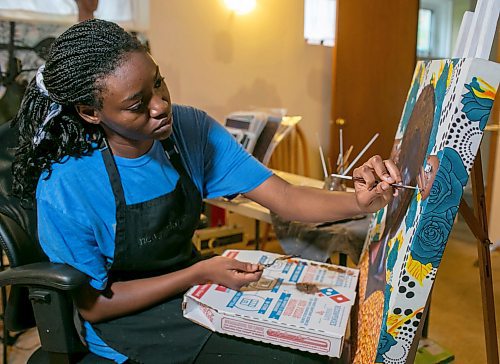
[439, 134]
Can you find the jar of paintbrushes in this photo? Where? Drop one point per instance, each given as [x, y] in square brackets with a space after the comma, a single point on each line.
[336, 181]
[334, 184]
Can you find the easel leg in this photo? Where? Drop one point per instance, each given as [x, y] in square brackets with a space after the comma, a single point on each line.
[477, 222]
[425, 329]
[488, 302]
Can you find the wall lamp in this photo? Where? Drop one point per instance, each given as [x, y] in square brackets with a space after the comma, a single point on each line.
[240, 7]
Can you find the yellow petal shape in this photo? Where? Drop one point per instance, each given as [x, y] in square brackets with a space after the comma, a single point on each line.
[417, 270]
[400, 239]
[396, 321]
[392, 319]
[421, 73]
[489, 91]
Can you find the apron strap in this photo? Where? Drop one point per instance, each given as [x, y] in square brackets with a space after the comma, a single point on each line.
[113, 175]
[171, 152]
[174, 155]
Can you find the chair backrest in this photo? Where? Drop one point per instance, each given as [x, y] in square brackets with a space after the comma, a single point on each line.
[18, 227]
[289, 150]
[17, 233]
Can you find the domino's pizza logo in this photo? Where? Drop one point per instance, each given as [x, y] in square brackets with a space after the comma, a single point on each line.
[333, 294]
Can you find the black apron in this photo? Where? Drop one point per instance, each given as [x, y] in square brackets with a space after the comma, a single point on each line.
[152, 238]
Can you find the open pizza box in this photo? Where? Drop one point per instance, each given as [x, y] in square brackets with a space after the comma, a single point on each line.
[297, 303]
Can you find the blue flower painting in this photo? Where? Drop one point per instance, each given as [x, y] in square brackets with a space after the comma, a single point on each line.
[477, 103]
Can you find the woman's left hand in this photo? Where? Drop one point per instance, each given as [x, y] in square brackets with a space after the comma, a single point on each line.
[227, 272]
[376, 190]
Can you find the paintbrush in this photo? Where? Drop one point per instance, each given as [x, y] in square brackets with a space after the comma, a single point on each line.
[360, 179]
[322, 156]
[347, 155]
[346, 159]
[271, 263]
[345, 171]
[341, 146]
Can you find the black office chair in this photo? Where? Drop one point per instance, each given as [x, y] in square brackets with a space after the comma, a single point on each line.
[40, 290]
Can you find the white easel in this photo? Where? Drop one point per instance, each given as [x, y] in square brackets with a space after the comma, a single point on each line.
[475, 39]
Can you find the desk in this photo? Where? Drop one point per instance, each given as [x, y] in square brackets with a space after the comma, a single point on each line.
[243, 206]
[296, 238]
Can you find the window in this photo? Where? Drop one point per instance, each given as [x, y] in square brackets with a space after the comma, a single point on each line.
[424, 35]
[319, 21]
[434, 29]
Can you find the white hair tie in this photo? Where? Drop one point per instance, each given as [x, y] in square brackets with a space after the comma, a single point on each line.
[39, 81]
[54, 108]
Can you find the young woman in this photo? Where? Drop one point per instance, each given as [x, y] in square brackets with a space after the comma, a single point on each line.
[119, 174]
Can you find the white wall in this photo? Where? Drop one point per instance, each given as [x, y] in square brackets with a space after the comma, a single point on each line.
[222, 62]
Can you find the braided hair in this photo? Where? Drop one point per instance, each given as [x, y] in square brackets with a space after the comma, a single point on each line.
[78, 60]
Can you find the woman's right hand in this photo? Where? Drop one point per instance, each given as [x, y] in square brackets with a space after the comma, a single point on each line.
[227, 272]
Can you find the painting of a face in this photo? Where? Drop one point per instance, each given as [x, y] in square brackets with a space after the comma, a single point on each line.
[409, 155]
[427, 176]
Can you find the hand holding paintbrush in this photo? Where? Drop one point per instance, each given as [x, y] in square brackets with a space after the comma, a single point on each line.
[377, 181]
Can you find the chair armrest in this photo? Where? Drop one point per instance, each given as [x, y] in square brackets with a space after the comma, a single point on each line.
[46, 274]
[49, 285]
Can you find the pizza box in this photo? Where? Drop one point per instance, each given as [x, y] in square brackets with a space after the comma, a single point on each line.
[297, 303]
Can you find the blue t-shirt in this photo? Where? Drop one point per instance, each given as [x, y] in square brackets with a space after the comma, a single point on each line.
[76, 207]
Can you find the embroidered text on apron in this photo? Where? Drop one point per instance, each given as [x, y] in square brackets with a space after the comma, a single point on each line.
[154, 237]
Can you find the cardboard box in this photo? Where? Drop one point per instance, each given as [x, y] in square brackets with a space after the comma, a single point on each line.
[276, 309]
